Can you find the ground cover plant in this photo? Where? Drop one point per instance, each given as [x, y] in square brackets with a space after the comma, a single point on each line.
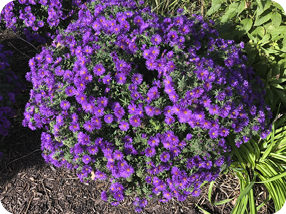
[180, 106]
[10, 86]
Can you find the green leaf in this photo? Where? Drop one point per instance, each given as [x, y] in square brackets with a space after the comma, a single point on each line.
[228, 15]
[246, 24]
[276, 19]
[213, 9]
[265, 39]
[259, 31]
[275, 85]
[241, 7]
[282, 95]
[275, 4]
[263, 19]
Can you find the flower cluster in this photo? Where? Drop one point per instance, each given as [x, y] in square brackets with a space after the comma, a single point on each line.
[144, 99]
[10, 86]
[35, 16]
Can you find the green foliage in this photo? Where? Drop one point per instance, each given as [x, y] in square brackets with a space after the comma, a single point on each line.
[261, 25]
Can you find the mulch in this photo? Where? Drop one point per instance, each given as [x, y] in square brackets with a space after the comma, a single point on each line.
[30, 185]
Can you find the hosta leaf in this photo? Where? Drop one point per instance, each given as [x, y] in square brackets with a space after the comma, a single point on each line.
[263, 19]
[276, 19]
[246, 24]
[228, 15]
[259, 31]
[282, 95]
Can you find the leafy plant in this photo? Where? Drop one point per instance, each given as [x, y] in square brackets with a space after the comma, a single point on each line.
[261, 24]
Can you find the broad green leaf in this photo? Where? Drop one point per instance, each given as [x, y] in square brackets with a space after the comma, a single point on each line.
[228, 15]
[246, 24]
[278, 33]
[276, 86]
[259, 31]
[213, 9]
[241, 7]
[275, 4]
[282, 95]
[279, 81]
[276, 19]
[263, 19]
[265, 39]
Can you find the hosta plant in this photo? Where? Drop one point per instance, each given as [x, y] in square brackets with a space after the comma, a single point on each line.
[144, 99]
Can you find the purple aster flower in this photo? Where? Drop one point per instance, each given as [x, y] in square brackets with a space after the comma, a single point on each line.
[213, 133]
[196, 192]
[108, 118]
[153, 141]
[100, 175]
[98, 70]
[92, 149]
[245, 139]
[86, 159]
[150, 152]
[219, 161]
[65, 105]
[120, 78]
[107, 79]
[223, 132]
[124, 126]
[214, 109]
[156, 39]
[165, 157]
[135, 120]
[151, 64]
[89, 126]
[149, 110]
[118, 155]
[104, 195]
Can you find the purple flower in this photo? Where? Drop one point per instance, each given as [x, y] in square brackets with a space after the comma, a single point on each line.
[108, 118]
[214, 109]
[65, 105]
[150, 152]
[98, 70]
[86, 159]
[196, 192]
[135, 120]
[100, 175]
[165, 157]
[213, 133]
[118, 155]
[124, 126]
[104, 195]
[156, 39]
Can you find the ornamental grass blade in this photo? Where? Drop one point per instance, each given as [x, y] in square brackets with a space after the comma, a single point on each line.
[263, 203]
[205, 212]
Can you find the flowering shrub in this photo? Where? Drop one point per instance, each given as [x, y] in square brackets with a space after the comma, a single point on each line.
[10, 86]
[38, 19]
[144, 99]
